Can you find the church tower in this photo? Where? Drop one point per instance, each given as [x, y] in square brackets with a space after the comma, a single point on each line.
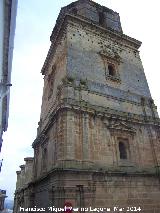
[98, 140]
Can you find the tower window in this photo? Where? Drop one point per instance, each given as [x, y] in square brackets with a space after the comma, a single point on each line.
[44, 158]
[51, 78]
[111, 70]
[111, 62]
[101, 19]
[122, 150]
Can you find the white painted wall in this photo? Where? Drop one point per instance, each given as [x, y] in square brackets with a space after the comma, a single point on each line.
[1, 54]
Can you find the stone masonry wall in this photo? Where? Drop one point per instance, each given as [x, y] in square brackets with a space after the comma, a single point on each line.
[98, 137]
[84, 59]
[52, 79]
[97, 189]
[86, 140]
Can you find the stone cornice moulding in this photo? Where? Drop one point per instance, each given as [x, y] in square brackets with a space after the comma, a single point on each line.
[94, 110]
[121, 126]
[28, 158]
[135, 44]
[111, 172]
[42, 139]
[86, 88]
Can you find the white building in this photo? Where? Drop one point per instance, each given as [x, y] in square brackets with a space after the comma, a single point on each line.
[8, 10]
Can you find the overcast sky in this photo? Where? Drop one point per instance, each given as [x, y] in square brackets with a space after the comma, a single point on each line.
[35, 21]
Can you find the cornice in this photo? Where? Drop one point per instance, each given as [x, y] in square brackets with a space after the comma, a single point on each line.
[41, 139]
[103, 112]
[108, 173]
[83, 84]
[116, 35]
[29, 159]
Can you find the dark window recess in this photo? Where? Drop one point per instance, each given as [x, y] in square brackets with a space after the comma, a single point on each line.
[44, 158]
[111, 70]
[101, 19]
[122, 150]
[50, 92]
[80, 196]
[51, 82]
[142, 101]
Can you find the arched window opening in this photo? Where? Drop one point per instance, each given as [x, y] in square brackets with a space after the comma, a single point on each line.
[122, 150]
[111, 70]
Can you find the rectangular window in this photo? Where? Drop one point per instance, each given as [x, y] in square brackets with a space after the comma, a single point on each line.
[123, 149]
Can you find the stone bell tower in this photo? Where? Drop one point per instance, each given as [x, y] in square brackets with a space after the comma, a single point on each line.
[98, 140]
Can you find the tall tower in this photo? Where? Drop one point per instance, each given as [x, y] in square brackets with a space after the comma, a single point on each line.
[98, 137]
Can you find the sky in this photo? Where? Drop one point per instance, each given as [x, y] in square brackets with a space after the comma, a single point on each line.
[35, 21]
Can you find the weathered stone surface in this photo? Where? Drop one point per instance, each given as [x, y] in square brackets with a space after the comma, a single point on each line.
[98, 137]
